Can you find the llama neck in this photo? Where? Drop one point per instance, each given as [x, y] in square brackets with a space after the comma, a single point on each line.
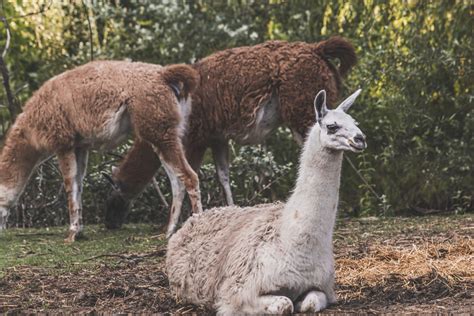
[311, 210]
[17, 161]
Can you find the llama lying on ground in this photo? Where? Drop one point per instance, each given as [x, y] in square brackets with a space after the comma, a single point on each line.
[244, 94]
[97, 105]
[265, 259]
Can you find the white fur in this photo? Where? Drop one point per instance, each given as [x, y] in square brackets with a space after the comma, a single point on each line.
[117, 128]
[313, 302]
[262, 259]
[178, 190]
[8, 197]
[184, 106]
[267, 119]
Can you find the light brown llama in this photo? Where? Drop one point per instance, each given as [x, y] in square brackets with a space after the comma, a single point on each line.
[96, 106]
[244, 94]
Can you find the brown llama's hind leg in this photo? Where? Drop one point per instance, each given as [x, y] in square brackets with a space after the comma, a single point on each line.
[73, 167]
[194, 156]
[172, 155]
[131, 177]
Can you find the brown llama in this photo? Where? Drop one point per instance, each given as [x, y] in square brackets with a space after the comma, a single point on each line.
[96, 106]
[244, 94]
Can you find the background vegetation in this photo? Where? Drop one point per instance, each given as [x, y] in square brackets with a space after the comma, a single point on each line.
[415, 68]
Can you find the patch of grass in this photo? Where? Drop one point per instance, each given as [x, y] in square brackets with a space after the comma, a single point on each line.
[45, 247]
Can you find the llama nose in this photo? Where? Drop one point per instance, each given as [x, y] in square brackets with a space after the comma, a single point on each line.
[358, 142]
[359, 138]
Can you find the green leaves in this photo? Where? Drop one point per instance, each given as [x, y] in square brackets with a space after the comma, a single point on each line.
[415, 68]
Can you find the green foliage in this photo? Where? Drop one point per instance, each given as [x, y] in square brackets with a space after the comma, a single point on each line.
[415, 69]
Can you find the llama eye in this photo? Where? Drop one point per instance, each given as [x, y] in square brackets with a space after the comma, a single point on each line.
[332, 128]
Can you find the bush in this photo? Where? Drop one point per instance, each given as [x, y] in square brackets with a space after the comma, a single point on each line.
[415, 68]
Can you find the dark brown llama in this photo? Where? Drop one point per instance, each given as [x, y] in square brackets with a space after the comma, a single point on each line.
[244, 94]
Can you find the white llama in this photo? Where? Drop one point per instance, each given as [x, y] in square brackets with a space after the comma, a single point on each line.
[266, 258]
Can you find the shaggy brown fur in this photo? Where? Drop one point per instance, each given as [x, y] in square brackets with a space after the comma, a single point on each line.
[245, 93]
[97, 105]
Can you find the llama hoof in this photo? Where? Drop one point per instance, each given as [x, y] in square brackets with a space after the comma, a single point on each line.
[312, 303]
[70, 238]
[279, 305]
[170, 232]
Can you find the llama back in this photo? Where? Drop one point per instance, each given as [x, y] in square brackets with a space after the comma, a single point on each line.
[210, 252]
[305, 68]
[246, 77]
[234, 84]
[89, 102]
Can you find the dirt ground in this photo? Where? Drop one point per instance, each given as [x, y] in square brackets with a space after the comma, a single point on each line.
[401, 265]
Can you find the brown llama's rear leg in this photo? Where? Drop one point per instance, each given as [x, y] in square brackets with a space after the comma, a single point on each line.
[72, 164]
[178, 189]
[130, 177]
[220, 152]
[194, 156]
[172, 153]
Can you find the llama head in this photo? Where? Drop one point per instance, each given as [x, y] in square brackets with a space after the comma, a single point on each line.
[339, 130]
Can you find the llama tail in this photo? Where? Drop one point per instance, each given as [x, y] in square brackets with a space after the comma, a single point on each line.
[182, 78]
[340, 48]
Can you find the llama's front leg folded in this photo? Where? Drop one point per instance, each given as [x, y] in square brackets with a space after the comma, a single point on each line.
[313, 302]
[263, 305]
[72, 166]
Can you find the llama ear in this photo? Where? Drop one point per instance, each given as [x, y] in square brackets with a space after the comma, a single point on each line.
[347, 103]
[320, 105]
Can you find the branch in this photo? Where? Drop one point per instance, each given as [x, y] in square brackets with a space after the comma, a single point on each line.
[363, 179]
[160, 194]
[7, 44]
[13, 106]
[43, 9]
[90, 30]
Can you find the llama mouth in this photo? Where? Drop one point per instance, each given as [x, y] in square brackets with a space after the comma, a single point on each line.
[358, 147]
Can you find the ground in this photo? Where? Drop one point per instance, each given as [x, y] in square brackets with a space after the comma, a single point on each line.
[394, 265]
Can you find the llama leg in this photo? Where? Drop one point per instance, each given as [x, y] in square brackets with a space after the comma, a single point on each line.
[313, 302]
[82, 156]
[172, 154]
[194, 156]
[131, 177]
[271, 304]
[220, 153]
[178, 190]
[69, 169]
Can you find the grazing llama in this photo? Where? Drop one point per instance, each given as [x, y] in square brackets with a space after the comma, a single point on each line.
[271, 258]
[96, 106]
[244, 94]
